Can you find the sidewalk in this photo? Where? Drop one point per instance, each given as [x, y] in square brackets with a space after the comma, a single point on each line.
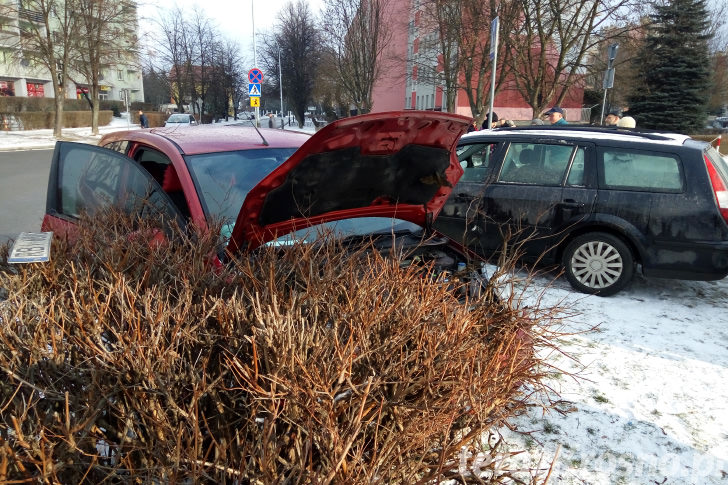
[44, 139]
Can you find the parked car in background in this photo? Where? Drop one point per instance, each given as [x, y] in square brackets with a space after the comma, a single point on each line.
[180, 119]
[384, 174]
[721, 123]
[598, 201]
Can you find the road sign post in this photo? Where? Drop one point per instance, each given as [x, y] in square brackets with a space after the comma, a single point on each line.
[608, 81]
[255, 78]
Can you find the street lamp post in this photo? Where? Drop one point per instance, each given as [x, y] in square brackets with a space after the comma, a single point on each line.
[280, 81]
[434, 84]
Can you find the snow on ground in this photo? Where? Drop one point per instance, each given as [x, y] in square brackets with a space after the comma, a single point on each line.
[44, 139]
[650, 403]
[650, 400]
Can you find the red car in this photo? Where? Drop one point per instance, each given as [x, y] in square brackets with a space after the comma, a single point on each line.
[387, 173]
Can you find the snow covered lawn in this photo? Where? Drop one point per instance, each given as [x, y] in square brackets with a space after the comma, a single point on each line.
[650, 404]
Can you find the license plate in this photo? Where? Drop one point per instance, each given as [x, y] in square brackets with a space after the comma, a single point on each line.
[31, 247]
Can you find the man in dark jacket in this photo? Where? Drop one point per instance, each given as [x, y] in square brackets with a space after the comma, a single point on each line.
[143, 121]
[556, 116]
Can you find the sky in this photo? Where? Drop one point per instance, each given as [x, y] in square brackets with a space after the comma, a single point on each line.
[235, 18]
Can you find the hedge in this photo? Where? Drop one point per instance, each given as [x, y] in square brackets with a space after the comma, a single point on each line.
[35, 120]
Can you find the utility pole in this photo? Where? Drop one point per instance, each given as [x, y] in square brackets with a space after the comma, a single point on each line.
[493, 66]
[608, 76]
[280, 81]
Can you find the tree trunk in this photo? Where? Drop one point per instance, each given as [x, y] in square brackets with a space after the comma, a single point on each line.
[59, 98]
[94, 93]
[95, 115]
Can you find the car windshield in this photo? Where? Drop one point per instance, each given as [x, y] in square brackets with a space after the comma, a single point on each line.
[224, 179]
[178, 119]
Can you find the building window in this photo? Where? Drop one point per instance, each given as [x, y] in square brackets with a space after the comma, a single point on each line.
[7, 88]
[120, 75]
[36, 90]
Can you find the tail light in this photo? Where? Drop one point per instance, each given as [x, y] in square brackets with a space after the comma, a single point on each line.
[719, 189]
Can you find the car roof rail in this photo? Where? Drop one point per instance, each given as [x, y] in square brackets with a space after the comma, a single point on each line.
[651, 135]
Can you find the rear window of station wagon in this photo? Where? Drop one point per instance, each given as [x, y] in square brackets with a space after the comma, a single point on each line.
[639, 170]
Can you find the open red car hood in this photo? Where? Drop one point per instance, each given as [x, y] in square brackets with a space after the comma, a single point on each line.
[397, 164]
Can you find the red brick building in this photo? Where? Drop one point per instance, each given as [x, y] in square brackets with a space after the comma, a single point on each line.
[400, 85]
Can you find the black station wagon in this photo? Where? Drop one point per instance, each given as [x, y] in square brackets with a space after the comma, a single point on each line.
[598, 201]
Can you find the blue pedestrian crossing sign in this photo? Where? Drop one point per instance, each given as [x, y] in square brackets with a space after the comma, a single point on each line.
[254, 89]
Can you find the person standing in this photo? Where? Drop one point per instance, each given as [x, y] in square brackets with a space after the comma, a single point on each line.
[143, 121]
[271, 123]
[556, 116]
[612, 118]
[627, 122]
[493, 121]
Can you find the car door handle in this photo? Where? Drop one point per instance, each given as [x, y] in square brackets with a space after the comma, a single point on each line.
[571, 204]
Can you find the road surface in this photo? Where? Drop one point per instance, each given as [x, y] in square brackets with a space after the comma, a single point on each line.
[23, 184]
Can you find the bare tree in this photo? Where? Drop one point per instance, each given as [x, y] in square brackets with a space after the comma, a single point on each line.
[202, 67]
[550, 45]
[719, 94]
[102, 41]
[200, 51]
[170, 59]
[299, 41]
[47, 35]
[233, 78]
[462, 46]
[475, 49]
[328, 91]
[226, 81]
[356, 32]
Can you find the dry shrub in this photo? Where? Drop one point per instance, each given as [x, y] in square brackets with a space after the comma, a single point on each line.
[314, 363]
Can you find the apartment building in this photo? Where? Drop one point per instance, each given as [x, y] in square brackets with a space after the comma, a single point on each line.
[120, 79]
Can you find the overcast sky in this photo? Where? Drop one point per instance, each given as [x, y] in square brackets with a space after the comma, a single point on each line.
[233, 17]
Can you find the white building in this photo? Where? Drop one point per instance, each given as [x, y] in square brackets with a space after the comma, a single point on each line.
[22, 77]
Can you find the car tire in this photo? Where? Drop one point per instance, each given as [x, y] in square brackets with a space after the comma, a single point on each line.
[598, 263]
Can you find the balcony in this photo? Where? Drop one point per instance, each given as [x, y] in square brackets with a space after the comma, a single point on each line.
[30, 15]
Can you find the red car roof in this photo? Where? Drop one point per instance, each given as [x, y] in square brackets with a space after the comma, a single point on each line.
[193, 140]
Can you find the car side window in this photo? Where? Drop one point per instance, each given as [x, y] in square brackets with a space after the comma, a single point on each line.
[88, 182]
[118, 146]
[639, 170]
[153, 161]
[92, 179]
[536, 163]
[475, 160]
[576, 173]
